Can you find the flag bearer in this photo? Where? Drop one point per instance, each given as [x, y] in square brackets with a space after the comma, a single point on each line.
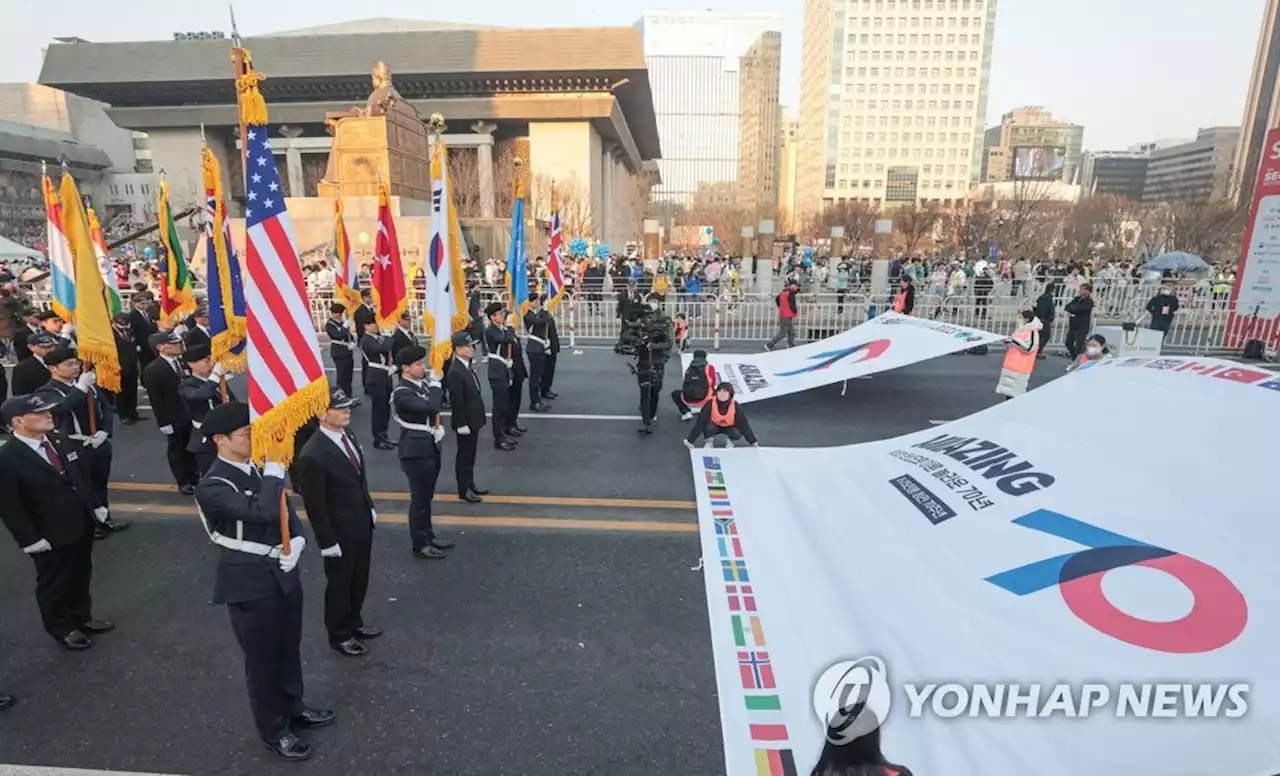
[537, 322]
[342, 346]
[201, 391]
[416, 408]
[377, 381]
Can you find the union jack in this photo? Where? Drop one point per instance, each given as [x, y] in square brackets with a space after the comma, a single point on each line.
[555, 263]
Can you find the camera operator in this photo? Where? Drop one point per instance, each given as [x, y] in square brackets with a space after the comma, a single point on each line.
[650, 335]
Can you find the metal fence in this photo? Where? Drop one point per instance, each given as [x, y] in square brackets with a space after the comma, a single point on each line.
[1200, 326]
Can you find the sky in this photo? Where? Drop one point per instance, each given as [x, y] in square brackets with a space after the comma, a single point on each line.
[1128, 70]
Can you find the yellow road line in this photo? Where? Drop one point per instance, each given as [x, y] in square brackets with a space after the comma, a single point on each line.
[552, 501]
[399, 518]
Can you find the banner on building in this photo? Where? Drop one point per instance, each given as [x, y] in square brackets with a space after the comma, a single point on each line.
[1081, 580]
[885, 342]
[1255, 299]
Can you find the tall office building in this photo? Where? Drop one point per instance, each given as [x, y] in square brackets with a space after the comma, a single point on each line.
[714, 78]
[788, 157]
[1261, 108]
[893, 100]
[1195, 171]
[1030, 143]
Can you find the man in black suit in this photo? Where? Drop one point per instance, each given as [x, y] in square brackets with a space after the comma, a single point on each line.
[257, 580]
[537, 322]
[553, 353]
[50, 508]
[403, 336]
[126, 399]
[416, 408]
[31, 373]
[342, 346]
[30, 325]
[198, 333]
[201, 391]
[378, 369]
[334, 486]
[82, 414]
[500, 342]
[364, 314]
[162, 378]
[468, 414]
[143, 326]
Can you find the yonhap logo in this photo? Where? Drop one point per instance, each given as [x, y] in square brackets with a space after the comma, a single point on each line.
[852, 699]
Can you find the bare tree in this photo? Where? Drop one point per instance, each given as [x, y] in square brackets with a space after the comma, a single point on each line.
[914, 222]
[464, 174]
[857, 218]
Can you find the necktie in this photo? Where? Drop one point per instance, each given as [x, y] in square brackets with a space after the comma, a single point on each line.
[351, 454]
[54, 459]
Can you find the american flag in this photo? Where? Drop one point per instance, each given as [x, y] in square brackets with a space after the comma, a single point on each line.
[287, 384]
[555, 263]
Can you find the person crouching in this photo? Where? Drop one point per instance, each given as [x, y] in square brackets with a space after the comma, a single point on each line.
[1095, 349]
[721, 419]
[695, 391]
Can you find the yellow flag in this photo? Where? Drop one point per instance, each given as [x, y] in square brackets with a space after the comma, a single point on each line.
[96, 341]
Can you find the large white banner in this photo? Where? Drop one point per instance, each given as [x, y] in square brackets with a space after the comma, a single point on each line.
[885, 342]
[1107, 543]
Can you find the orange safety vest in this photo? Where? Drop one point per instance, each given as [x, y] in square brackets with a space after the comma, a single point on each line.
[725, 420]
[1015, 360]
[710, 372]
[900, 302]
[682, 327]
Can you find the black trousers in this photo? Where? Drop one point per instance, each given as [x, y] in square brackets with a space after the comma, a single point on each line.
[422, 474]
[127, 398]
[677, 397]
[348, 582]
[548, 372]
[501, 409]
[4, 384]
[513, 407]
[379, 408]
[464, 464]
[204, 461]
[537, 363]
[98, 462]
[650, 392]
[62, 586]
[1075, 342]
[269, 631]
[345, 368]
[182, 464]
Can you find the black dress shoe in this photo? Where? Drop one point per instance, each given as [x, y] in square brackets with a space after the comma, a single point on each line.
[128, 421]
[289, 747]
[350, 648]
[98, 626]
[187, 490]
[368, 632]
[310, 719]
[442, 544]
[471, 497]
[505, 444]
[7, 701]
[645, 429]
[114, 525]
[518, 427]
[76, 641]
[383, 444]
[479, 492]
[539, 407]
[550, 395]
[430, 553]
[514, 432]
[100, 532]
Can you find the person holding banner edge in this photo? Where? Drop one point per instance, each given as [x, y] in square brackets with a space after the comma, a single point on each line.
[721, 418]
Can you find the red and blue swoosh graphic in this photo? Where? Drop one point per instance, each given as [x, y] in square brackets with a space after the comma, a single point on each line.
[870, 350]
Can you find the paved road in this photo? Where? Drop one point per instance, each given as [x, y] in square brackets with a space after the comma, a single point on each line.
[566, 634]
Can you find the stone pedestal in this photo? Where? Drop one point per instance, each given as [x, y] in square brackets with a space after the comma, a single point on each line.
[393, 148]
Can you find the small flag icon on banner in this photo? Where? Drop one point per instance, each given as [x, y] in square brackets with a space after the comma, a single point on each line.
[741, 598]
[763, 703]
[768, 732]
[734, 571]
[709, 462]
[755, 671]
[747, 632]
[714, 478]
[730, 546]
[717, 493]
[726, 526]
[775, 762]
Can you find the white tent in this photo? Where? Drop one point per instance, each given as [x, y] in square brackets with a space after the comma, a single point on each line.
[10, 250]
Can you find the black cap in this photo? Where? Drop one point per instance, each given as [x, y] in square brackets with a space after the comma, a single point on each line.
[201, 312]
[534, 296]
[46, 315]
[225, 418]
[462, 339]
[493, 308]
[700, 355]
[59, 355]
[42, 340]
[166, 337]
[196, 353]
[26, 404]
[411, 355]
[339, 400]
[337, 307]
[1098, 338]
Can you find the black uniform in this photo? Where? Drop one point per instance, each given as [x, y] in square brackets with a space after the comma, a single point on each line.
[335, 491]
[71, 419]
[28, 376]
[198, 397]
[126, 399]
[377, 381]
[651, 361]
[363, 316]
[467, 402]
[162, 379]
[500, 342]
[196, 337]
[400, 339]
[344, 361]
[52, 500]
[143, 326]
[416, 407]
[1080, 312]
[538, 323]
[553, 353]
[20, 348]
[263, 601]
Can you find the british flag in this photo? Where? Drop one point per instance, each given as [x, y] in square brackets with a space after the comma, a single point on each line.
[555, 263]
[287, 383]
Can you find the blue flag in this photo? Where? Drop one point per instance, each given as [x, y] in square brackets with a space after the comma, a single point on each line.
[518, 259]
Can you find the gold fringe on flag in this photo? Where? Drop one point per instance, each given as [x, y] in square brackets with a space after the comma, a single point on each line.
[390, 320]
[221, 344]
[178, 274]
[253, 109]
[273, 432]
[96, 341]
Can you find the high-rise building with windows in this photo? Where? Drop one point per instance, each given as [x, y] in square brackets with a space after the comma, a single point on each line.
[715, 81]
[1261, 107]
[893, 100]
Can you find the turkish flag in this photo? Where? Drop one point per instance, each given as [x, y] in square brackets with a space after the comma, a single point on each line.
[387, 278]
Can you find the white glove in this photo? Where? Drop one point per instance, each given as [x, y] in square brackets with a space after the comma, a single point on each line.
[296, 545]
[332, 552]
[40, 546]
[437, 434]
[508, 362]
[86, 381]
[166, 430]
[97, 439]
[688, 444]
[101, 514]
[219, 371]
[351, 345]
[434, 384]
[68, 329]
[180, 329]
[273, 469]
[373, 513]
[464, 431]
